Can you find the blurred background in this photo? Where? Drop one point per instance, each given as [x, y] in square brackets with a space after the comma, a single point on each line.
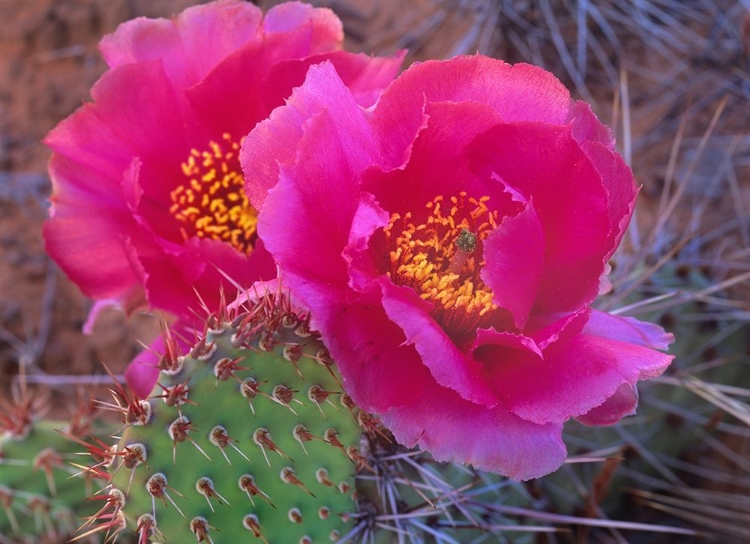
[672, 79]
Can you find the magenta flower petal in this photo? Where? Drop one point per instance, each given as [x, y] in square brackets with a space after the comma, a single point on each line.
[628, 329]
[439, 148]
[363, 75]
[622, 403]
[294, 26]
[515, 255]
[143, 371]
[452, 429]
[364, 335]
[449, 244]
[101, 266]
[448, 365]
[273, 144]
[517, 93]
[190, 45]
[577, 373]
[570, 200]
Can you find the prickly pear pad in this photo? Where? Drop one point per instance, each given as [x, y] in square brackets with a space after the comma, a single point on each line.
[249, 437]
[38, 497]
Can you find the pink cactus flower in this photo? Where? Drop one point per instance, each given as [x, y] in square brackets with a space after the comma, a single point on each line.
[449, 243]
[148, 202]
[148, 205]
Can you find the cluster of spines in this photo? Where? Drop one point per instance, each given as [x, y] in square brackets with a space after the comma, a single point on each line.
[220, 398]
[39, 501]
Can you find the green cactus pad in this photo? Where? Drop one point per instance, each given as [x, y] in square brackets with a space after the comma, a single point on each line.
[39, 501]
[248, 438]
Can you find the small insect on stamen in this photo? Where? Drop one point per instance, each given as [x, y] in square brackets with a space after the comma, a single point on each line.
[466, 244]
[288, 476]
[221, 439]
[205, 486]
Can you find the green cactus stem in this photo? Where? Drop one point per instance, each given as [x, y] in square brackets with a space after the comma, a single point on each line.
[247, 438]
[39, 501]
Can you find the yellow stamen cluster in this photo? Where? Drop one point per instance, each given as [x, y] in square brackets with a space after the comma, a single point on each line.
[212, 203]
[424, 256]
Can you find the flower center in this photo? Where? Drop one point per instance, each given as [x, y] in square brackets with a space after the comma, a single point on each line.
[441, 259]
[212, 203]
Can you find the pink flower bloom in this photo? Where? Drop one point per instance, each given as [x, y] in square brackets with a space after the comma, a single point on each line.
[148, 202]
[449, 243]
